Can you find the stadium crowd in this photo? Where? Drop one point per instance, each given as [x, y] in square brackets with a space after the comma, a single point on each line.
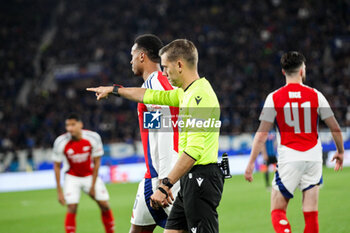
[21, 28]
[240, 44]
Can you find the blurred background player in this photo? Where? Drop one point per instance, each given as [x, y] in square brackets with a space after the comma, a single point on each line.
[269, 155]
[296, 109]
[79, 147]
[160, 148]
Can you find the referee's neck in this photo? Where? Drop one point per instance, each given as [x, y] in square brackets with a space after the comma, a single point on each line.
[189, 78]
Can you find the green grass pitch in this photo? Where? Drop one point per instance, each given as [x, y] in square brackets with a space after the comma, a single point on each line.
[243, 209]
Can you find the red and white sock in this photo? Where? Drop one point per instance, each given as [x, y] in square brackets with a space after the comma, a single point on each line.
[280, 222]
[311, 222]
[108, 221]
[69, 223]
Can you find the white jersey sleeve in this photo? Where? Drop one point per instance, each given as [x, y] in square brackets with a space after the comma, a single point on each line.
[324, 110]
[167, 155]
[269, 112]
[58, 148]
[96, 143]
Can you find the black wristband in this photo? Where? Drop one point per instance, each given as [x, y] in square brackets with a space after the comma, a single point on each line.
[163, 191]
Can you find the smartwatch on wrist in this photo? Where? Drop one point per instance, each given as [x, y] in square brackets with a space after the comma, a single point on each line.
[115, 89]
[167, 183]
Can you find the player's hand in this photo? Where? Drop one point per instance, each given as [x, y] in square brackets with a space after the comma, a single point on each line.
[248, 175]
[92, 192]
[101, 92]
[169, 200]
[170, 197]
[158, 199]
[338, 157]
[61, 198]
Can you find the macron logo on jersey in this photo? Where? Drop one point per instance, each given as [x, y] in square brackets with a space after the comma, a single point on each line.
[294, 94]
[199, 181]
[151, 120]
[198, 99]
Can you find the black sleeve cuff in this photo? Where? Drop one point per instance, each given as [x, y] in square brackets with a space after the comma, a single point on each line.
[190, 156]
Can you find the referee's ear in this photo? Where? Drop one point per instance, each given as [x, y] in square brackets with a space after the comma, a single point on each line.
[180, 66]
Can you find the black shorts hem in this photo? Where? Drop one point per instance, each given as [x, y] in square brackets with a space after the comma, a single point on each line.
[174, 228]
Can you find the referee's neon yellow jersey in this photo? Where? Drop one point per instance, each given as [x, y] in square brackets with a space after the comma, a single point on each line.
[199, 118]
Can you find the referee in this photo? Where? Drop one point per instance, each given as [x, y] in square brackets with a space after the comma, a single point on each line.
[201, 179]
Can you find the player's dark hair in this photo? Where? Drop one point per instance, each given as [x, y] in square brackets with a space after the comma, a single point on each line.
[181, 48]
[149, 44]
[73, 116]
[291, 61]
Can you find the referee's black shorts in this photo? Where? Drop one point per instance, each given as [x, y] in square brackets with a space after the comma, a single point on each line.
[194, 209]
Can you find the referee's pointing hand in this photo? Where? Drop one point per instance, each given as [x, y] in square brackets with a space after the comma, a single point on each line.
[101, 92]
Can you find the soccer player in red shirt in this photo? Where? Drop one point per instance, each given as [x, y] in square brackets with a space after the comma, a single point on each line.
[79, 147]
[295, 108]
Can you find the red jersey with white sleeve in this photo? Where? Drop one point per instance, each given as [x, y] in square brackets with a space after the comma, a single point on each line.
[296, 109]
[78, 153]
[160, 148]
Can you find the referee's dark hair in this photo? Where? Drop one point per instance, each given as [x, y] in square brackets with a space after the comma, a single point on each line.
[73, 116]
[291, 61]
[150, 45]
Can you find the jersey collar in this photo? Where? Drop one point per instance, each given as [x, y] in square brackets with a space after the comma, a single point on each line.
[192, 83]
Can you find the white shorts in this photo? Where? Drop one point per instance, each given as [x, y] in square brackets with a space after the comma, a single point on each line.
[73, 185]
[143, 214]
[299, 174]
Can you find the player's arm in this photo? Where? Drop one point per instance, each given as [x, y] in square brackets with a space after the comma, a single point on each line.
[327, 115]
[333, 125]
[57, 157]
[141, 95]
[267, 117]
[166, 152]
[258, 143]
[57, 169]
[97, 164]
[96, 153]
[264, 153]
